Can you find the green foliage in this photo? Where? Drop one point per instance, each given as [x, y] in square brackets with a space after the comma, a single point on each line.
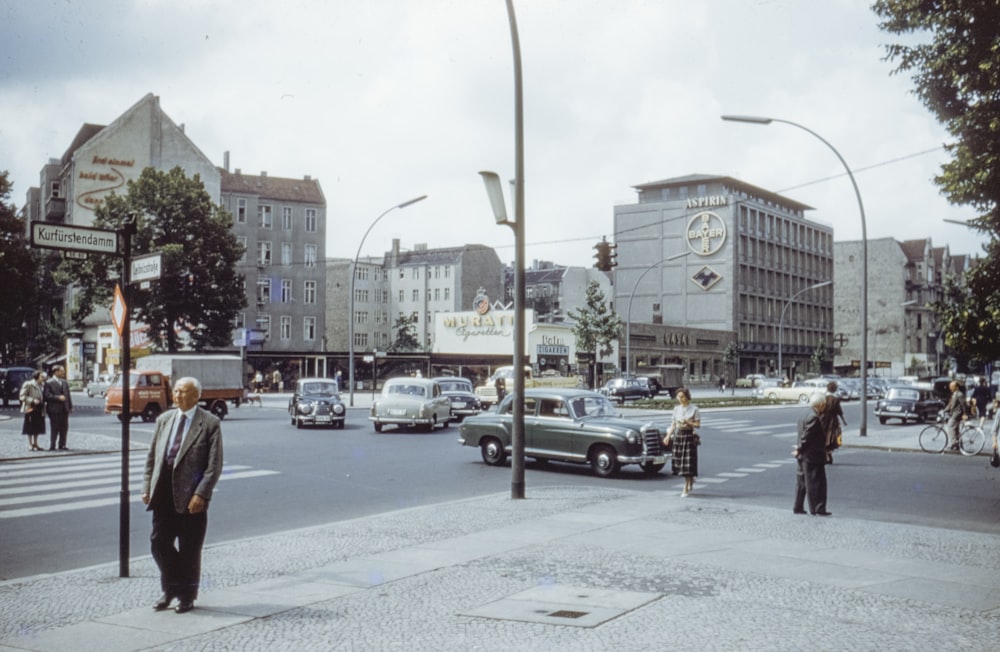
[597, 327]
[952, 50]
[406, 335]
[19, 290]
[820, 356]
[199, 291]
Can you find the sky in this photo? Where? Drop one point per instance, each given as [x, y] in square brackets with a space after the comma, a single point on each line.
[386, 100]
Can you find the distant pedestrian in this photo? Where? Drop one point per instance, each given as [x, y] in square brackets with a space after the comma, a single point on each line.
[810, 451]
[58, 405]
[684, 440]
[32, 398]
[258, 382]
[981, 396]
[957, 412]
[501, 386]
[833, 416]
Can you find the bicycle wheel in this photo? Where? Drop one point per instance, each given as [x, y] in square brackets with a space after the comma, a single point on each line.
[933, 439]
[972, 441]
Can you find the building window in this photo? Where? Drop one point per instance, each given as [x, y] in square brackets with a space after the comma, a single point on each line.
[265, 216]
[360, 295]
[361, 340]
[263, 291]
[286, 254]
[55, 189]
[311, 220]
[401, 296]
[286, 218]
[416, 295]
[309, 328]
[361, 274]
[263, 253]
[415, 274]
[264, 325]
[286, 327]
[447, 294]
[447, 271]
[241, 211]
[360, 317]
[309, 295]
[286, 290]
[437, 294]
[242, 240]
[310, 257]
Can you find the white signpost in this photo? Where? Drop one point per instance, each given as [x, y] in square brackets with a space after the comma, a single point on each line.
[73, 238]
[147, 268]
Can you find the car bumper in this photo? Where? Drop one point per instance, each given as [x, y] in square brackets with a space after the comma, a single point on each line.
[897, 414]
[403, 421]
[320, 420]
[642, 459]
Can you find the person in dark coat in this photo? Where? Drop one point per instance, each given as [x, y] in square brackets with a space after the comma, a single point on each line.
[58, 405]
[32, 396]
[810, 451]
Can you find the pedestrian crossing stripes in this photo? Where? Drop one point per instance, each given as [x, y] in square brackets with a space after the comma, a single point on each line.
[748, 427]
[70, 483]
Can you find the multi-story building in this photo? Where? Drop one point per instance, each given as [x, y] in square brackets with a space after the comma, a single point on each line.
[704, 261]
[282, 224]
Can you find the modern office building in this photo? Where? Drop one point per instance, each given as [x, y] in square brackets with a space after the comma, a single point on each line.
[709, 261]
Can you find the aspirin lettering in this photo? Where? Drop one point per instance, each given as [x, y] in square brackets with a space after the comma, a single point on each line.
[706, 233]
[707, 202]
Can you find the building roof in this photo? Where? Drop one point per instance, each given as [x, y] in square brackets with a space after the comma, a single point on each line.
[305, 190]
[86, 132]
[547, 275]
[915, 250]
[734, 184]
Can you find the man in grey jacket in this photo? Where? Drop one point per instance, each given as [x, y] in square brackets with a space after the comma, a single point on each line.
[182, 468]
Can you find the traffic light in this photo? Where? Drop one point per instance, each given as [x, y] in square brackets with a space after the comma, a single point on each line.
[603, 256]
[612, 256]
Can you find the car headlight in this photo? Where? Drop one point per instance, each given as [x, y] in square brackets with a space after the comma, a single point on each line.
[631, 436]
[338, 408]
[304, 407]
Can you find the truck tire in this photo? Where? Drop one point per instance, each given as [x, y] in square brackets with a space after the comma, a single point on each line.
[150, 413]
[219, 409]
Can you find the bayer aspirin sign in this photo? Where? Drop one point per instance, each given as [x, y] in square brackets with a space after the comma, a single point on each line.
[706, 233]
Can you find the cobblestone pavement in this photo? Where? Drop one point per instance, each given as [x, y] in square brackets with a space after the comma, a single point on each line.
[568, 568]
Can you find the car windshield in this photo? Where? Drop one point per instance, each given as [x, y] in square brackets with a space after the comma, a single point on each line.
[408, 390]
[903, 393]
[592, 406]
[454, 386]
[319, 388]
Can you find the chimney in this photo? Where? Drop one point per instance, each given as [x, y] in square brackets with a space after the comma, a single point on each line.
[225, 160]
[263, 174]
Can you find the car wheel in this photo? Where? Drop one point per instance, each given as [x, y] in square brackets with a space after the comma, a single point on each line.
[772, 396]
[378, 427]
[150, 413]
[299, 424]
[803, 398]
[652, 469]
[604, 461]
[882, 420]
[492, 451]
[90, 394]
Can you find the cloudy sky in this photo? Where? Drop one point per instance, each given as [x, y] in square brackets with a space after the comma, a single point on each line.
[385, 100]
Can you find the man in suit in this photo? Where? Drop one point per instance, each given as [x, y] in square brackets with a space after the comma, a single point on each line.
[810, 450]
[182, 468]
[58, 405]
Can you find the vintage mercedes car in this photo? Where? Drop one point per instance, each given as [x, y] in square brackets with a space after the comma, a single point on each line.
[316, 402]
[626, 389]
[462, 394]
[411, 402]
[908, 403]
[568, 425]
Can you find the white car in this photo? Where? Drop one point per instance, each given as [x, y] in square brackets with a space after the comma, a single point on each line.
[409, 403]
[797, 392]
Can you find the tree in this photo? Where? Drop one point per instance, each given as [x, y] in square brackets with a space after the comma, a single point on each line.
[406, 335]
[731, 358]
[820, 356]
[596, 328]
[199, 291]
[956, 70]
[19, 290]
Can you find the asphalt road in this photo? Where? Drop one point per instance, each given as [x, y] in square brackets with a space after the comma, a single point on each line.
[278, 477]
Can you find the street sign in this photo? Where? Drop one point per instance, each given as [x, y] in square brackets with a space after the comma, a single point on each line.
[118, 310]
[73, 238]
[147, 268]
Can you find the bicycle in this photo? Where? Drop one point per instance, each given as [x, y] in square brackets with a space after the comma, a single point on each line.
[935, 437]
[972, 439]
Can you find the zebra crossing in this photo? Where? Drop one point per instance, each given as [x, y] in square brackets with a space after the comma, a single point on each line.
[747, 427]
[48, 486]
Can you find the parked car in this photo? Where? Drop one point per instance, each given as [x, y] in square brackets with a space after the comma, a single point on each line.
[11, 379]
[411, 402]
[462, 394]
[908, 403]
[764, 384]
[653, 384]
[797, 392]
[568, 425]
[316, 402]
[99, 386]
[626, 389]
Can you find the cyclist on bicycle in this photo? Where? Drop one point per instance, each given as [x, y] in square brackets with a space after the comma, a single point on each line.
[957, 412]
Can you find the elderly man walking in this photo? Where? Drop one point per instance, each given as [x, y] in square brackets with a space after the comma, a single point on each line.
[810, 450]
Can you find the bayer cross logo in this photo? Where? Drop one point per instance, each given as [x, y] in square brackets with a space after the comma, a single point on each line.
[706, 233]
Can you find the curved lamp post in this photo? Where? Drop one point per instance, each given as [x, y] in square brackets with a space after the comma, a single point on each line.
[781, 320]
[354, 271]
[628, 313]
[863, 426]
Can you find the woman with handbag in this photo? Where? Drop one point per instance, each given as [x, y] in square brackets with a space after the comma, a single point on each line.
[684, 440]
[31, 397]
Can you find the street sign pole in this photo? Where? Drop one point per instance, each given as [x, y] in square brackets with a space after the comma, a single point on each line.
[127, 231]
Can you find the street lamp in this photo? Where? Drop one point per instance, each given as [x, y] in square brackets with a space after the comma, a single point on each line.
[628, 313]
[354, 271]
[781, 320]
[495, 192]
[863, 426]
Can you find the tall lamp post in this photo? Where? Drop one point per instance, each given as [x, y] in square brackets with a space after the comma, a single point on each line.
[781, 320]
[494, 190]
[354, 268]
[863, 426]
[628, 313]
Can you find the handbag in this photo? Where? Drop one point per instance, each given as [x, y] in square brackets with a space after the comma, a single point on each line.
[995, 460]
[697, 439]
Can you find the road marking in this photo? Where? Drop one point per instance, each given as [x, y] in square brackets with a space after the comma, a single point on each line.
[747, 469]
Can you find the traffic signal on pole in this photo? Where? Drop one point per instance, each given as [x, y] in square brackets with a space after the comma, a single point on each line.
[612, 256]
[603, 256]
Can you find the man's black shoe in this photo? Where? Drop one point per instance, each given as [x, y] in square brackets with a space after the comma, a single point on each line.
[822, 513]
[798, 511]
[163, 603]
[184, 606]
[63, 448]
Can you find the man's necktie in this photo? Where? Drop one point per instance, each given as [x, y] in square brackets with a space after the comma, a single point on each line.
[178, 436]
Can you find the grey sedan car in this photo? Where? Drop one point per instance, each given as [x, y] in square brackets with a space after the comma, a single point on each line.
[411, 403]
[568, 425]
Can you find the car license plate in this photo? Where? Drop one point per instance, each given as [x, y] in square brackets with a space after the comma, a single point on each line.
[397, 412]
[323, 419]
[894, 408]
[459, 405]
[660, 459]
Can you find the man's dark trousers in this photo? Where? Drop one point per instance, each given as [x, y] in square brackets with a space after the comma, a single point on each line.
[180, 566]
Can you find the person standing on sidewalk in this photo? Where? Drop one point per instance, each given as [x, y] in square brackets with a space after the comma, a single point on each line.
[32, 398]
[833, 415]
[957, 411]
[182, 468]
[58, 405]
[810, 451]
[683, 439]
